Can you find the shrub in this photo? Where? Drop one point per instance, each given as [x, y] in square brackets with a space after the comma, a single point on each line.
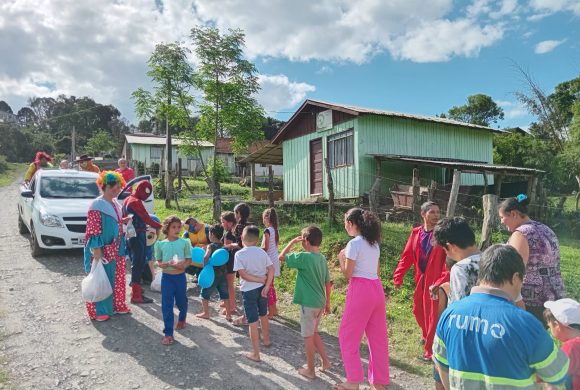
[3, 164]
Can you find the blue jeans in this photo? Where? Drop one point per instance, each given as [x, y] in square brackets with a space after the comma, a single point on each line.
[173, 291]
[137, 250]
[255, 305]
[220, 283]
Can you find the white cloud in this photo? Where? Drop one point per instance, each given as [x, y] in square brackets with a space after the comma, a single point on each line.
[512, 110]
[279, 93]
[441, 40]
[508, 7]
[547, 46]
[548, 7]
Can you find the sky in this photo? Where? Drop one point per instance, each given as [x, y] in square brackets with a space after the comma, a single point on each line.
[413, 56]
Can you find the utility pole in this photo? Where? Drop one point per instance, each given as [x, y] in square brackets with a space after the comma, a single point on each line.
[73, 143]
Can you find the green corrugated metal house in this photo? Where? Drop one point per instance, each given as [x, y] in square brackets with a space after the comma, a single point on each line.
[150, 149]
[348, 136]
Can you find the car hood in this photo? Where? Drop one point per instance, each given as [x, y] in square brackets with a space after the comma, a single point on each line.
[65, 207]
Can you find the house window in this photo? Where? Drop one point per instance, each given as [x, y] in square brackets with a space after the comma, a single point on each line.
[341, 149]
[156, 152]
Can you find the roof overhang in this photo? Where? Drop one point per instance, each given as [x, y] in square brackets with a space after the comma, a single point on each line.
[268, 154]
[462, 165]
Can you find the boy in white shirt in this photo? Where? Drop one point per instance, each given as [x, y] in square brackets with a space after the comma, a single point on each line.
[256, 274]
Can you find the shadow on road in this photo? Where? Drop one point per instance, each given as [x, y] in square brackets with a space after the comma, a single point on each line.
[65, 262]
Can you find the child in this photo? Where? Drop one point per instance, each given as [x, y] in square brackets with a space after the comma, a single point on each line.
[270, 245]
[256, 274]
[563, 319]
[228, 221]
[365, 306]
[220, 282]
[173, 282]
[312, 293]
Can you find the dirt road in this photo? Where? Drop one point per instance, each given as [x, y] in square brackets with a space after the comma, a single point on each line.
[47, 342]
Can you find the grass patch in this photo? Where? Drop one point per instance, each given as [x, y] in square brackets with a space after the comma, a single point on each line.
[9, 175]
[404, 333]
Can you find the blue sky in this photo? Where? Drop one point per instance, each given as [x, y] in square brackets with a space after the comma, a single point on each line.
[413, 56]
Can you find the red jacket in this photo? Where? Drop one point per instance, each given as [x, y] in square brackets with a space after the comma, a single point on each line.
[424, 308]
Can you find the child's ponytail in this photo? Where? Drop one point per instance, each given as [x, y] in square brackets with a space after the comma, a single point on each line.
[367, 222]
[273, 218]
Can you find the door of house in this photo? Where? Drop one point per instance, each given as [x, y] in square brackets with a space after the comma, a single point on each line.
[316, 166]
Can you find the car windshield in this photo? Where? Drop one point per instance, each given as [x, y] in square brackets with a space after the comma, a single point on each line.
[58, 187]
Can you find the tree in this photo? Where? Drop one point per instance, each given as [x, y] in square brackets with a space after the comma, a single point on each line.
[172, 76]
[555, 124]
[100, 143]
[228, 83]
[5, 107]
[479, 110]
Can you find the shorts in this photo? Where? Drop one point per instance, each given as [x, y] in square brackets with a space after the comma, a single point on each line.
[221, 284]
[309, 320]
[255, 305]
[230, 264]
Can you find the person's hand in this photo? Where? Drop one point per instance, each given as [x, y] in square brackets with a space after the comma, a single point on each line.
[162, 265]
[296, 240]
[327, 309]
[398, 286]
[263, 279]
[265, 291]
[126, 219]
[433, 292]
[342, 256]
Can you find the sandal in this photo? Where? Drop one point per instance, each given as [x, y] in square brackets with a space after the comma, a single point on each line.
[167, 340]
[102, 318]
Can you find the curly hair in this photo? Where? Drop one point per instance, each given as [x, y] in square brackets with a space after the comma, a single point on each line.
[367, 222]
[168, 221]
[110, 178]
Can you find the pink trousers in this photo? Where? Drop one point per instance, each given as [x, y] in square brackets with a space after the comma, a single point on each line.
[365, 312]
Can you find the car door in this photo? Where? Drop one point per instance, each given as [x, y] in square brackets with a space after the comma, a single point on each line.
[28, 203]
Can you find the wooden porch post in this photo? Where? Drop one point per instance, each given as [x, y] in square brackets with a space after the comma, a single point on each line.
[454, 192]
[330, 187]
[532, 191]
[416, 190]
[485, 183]
[374, 193]
[489, 220]
[252, 178]
[270, 186]
[498, 183]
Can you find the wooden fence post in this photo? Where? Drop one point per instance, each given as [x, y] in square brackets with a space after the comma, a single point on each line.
[330, 185]
[454, 192]
[270, 186]
[432, 189]
[532, 191]
[498, 183]
[374, 193]
[252, 178]
[416, 191]
[489, 219]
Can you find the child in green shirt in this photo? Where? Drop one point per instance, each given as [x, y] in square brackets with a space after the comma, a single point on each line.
[312, 293]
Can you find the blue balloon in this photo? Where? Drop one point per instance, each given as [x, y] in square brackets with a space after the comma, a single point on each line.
[197, 255]
[206, 276]
[219, 257]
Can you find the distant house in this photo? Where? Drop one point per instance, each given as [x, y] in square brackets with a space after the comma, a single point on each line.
[234, 162]
[7, 117]
[360, 143]
[149, 149]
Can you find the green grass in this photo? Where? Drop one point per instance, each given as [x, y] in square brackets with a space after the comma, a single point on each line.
[8, 176]
[569, 205]
[404, 334]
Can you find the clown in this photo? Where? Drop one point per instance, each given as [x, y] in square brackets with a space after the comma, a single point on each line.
[105, 241]
[133, 205]
[41, 160]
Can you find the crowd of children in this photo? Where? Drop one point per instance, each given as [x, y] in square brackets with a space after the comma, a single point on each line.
[258, 262]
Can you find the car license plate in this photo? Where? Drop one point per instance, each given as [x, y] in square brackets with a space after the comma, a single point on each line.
[81, 241]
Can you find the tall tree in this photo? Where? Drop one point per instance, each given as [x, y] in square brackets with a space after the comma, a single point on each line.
[229, 84]
[5, 107]
[479, 110]
[171, 100]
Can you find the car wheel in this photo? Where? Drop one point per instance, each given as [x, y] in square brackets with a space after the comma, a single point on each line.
[22, 229]
[35, 249]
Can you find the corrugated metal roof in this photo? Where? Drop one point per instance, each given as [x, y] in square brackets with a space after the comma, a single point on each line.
[364, 110]
[462, 165]
[268, 154]
[156, 140]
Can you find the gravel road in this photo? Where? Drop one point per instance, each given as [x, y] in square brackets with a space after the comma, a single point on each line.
[47, 342]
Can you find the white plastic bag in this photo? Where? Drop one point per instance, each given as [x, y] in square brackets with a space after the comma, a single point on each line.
[156, 283]
[95, 286]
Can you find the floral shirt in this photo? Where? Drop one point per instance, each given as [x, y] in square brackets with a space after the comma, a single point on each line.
[463, 277]
[543, 280]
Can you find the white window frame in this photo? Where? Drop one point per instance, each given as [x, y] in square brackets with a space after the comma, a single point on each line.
[340, 149]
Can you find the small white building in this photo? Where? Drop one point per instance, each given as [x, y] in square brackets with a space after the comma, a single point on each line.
[149, 149]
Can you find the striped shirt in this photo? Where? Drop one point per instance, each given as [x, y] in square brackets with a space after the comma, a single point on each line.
[485, 342]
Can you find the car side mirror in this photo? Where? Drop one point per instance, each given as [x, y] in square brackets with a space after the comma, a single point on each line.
[27, 194]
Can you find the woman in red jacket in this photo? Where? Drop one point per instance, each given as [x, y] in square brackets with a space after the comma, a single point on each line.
[429, 262]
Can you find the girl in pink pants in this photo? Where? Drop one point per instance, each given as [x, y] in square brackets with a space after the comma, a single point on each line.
[365, 308]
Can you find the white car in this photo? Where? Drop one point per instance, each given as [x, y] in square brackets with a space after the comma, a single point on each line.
[53, 207]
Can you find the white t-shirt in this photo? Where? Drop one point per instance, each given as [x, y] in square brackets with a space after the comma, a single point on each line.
[463, 277]
[272, 249]
[255, 261]
[366, 257]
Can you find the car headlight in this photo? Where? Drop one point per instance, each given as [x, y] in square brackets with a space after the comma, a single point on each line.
[50, 220]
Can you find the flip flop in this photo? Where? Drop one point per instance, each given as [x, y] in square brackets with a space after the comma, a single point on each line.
[167, 340]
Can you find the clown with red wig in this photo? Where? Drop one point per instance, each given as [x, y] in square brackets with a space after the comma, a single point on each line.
[133, 205]
[41, 160]
[105, 241]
